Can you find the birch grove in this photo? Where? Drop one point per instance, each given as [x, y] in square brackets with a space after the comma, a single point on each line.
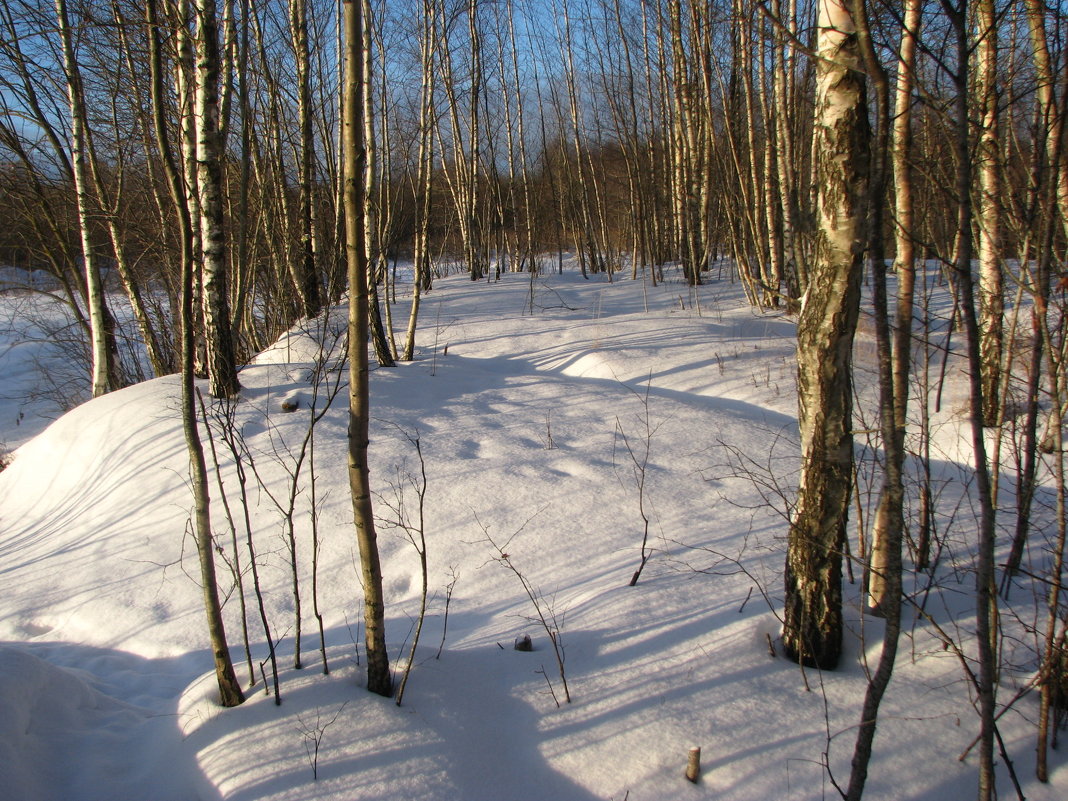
[227, 170]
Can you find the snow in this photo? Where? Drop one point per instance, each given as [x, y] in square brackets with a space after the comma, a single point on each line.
[106, 689]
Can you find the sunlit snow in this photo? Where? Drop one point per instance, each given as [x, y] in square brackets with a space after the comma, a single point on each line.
[521, 403]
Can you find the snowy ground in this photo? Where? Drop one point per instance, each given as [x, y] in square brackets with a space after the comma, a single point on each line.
[105, 689]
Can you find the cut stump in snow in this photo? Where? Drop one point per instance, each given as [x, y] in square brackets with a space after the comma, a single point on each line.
[693, 764]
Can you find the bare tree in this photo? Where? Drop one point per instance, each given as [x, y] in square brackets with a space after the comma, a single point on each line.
[306, 274]
[888, 531]
[986, 598]
[106, 376]
[229, 687]
[221, 358]
[991, 299]
[424, 179]
[379, 679]
[812, 627]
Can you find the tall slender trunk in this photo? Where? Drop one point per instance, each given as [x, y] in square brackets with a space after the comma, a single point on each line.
[526, 256]
[106, 375]
[424, 171]
[589, 252]
[355, 163]
[904, 235]
[185, 86]
[772, 202]
[307, 276]
[242, 273]
[229, 687]
[221, 359]
[1045, 90]
[1045, 181]
[785, 150]
[373, 231]
[886, 516]
[991, 291]
[890, 513]
[159, 356]
[984, 574]
[1053, 660]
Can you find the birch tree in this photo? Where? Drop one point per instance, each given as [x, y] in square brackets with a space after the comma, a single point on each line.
[986, 612]
[812, 627]
[424, 178]
[355, 163]
[306, 274]
[106, 376]
[221, 359]
[991, 300]
[229, 688]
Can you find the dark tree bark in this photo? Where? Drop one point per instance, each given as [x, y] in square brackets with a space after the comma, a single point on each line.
[888, 532]
[984, 573]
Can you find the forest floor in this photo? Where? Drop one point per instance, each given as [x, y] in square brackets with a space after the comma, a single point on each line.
[550, 415]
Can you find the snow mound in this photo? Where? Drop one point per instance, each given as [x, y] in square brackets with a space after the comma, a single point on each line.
[49, 713]
[64, 734]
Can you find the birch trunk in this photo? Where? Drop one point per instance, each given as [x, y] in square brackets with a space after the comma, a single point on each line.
[991, 291]
[424, 172]
[772, 201]
[222, 363]
[812, 627]
[905, 250]
[879, 567]
[306, 275]
[105, 370]
[784, 138]
[355, 163]
[373, 208]
[185, 86]
[986, 611]
[229, 687]
[1049, 117]
[890, 516]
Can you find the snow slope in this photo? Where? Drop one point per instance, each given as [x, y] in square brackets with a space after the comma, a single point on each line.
[523, 419]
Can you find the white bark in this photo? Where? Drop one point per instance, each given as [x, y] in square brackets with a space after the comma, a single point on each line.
[812, 628]
[222, 367]
[104, 373]
[991, 299]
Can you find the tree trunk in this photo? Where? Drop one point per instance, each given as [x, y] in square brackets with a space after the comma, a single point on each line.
[307, 277]
[106, 376]
[991, 299]
[905, 262]
[890, 514]
[424, 182]
[812, 627]
[1045, 92]
[984, 573]
[355, 162]
[221, 359]
[229, 687]
[372, 208]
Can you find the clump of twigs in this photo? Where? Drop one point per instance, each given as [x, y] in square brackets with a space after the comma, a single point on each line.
[413, 527]
[544, 611]
[313, 736]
